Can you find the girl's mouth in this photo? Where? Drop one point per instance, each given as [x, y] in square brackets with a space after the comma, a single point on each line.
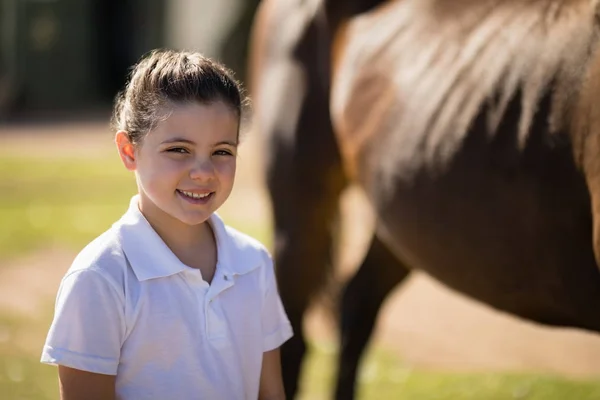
[195, 198]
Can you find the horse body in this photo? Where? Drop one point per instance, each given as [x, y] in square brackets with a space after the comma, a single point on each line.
[466, 152]
[471, 128]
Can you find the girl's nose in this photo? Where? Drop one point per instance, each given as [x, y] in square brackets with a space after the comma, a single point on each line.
[202, 170]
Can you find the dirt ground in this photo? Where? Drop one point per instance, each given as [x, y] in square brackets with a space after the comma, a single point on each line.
[423, 322]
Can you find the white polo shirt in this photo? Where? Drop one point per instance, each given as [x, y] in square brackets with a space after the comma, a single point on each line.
[129, 307]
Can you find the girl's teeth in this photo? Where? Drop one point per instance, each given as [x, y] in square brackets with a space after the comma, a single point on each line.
[195, 195]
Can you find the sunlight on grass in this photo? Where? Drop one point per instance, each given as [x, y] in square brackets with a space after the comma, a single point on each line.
[59, 201]
[384, 376]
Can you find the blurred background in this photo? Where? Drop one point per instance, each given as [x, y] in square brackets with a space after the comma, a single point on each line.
[62, 184]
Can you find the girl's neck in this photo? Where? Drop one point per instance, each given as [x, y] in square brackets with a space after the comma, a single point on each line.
[185, 241]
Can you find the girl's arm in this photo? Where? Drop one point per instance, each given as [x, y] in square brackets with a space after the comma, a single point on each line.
[86, 335]
[271, 382]
[76, 384]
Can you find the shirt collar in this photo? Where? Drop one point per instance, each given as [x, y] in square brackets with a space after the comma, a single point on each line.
[147, 253]
[151, 258]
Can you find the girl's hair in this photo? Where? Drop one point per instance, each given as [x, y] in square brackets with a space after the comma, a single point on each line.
[164, 77]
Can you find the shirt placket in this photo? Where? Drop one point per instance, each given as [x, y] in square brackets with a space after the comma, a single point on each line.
[200, 288]
[215, 321]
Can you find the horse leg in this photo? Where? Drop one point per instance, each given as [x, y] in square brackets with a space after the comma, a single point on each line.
[289, 72]
[305, 179]
[305, 189]
[362, 298]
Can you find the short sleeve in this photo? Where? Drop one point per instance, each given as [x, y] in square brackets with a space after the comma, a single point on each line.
[275, 323]
[88, 326]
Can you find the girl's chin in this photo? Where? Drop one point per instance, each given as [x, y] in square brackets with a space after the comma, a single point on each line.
[193, 220]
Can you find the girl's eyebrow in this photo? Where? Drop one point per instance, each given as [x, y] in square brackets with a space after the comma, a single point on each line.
[227, 142]
[182, 140]
[178, 140]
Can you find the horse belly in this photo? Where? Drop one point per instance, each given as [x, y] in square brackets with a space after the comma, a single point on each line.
[516, 240]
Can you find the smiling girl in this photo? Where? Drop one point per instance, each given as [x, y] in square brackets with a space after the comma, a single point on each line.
[171, 303]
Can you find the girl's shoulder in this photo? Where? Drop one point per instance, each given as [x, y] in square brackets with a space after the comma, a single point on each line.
[241, 252]
[102, 257]
[242, 242]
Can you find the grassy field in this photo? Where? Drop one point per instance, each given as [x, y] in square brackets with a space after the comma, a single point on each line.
[64, 202]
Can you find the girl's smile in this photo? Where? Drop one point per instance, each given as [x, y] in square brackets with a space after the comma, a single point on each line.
[195, 197]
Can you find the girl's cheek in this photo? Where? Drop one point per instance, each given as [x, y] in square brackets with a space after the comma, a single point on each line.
[228, 168]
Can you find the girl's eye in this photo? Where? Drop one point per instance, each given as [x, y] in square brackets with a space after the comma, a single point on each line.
[180, 150]
[223, 153]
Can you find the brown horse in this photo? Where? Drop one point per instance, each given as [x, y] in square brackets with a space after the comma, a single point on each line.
[471, 126]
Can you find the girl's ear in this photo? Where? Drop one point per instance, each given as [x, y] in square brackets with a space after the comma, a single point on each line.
[126, 150]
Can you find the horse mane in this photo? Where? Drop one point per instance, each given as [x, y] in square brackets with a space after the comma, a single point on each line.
[453, 58]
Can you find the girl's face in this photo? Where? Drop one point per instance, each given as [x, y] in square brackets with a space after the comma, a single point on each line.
[185, 166]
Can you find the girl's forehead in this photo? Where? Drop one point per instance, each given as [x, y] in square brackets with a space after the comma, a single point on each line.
[197, 119]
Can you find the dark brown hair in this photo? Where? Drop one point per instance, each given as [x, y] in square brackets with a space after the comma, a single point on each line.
[168, 76]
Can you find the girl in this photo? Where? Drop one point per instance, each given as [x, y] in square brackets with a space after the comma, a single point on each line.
[170, 303]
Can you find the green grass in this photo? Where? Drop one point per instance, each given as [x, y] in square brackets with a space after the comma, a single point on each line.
[386, 377]
[66, 202]
[22, 376]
